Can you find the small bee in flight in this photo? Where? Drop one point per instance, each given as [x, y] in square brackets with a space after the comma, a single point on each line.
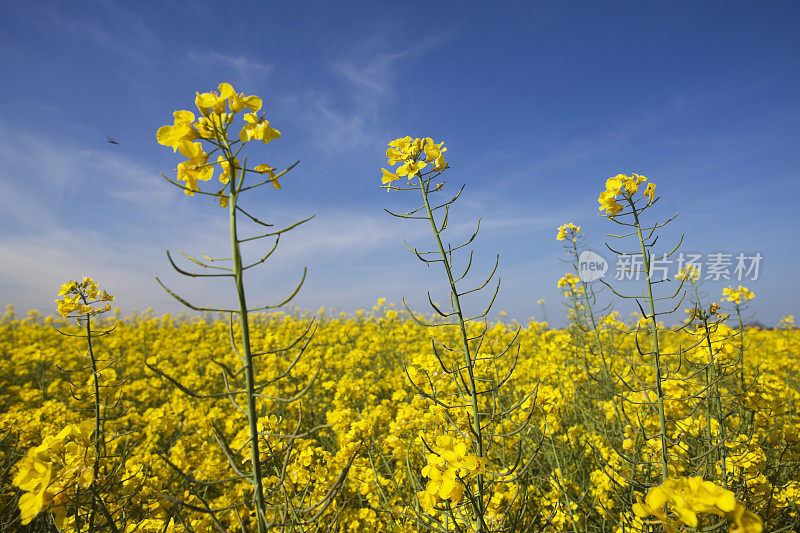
[112, 140]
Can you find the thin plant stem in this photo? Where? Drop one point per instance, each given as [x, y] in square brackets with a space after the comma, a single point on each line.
[476, 420]
[656, 353]
[252, 415]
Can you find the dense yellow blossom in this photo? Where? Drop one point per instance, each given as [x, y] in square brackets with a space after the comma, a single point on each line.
[569, 279]
[78, 298]
[737, 295]
[564, 229]
[51, 471]
[449, 465]
[187, 136]
[362, 398]
[415, 155]
[686, 497]
[627, 187]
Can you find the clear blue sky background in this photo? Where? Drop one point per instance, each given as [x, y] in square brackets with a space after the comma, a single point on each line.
[537, 102]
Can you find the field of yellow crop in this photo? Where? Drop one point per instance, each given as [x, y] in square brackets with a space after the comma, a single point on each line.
[361, 408]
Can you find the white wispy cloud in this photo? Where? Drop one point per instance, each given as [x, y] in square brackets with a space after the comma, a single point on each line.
[246, 70]
[347, 115]
[55, 166]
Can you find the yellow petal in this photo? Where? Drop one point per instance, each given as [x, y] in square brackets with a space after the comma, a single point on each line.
[226, 90]
[253, 103]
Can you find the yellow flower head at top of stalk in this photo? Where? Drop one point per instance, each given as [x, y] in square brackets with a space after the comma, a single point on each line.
[568, 279]
[217, 111]
[414, 154]
[627, 187]
[566, 228]
[78, 298]
[737, 295]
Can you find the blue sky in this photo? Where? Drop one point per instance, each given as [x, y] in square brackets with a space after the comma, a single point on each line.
[537, 102]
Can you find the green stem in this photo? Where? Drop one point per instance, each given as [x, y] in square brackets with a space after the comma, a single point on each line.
[710, 460]
[99, 443]
[589, 311]
[568, 514]
[252, 416]
[98, 432]
[716, 401]
[656, 352]
[741, 344]
[476, 422]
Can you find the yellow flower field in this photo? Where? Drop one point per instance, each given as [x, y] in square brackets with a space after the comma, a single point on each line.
[362, 406]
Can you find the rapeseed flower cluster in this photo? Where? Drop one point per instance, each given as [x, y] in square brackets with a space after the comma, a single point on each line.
[50, 472]
[688, 496]
[737, 295]
[78, 298]
[450, 465]
[568, 280]
[625, 187]
[217, 112]
[565, 229]
[414, 154]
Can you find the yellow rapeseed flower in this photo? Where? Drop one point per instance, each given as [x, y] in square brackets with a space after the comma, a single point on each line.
[686, 497]
[737, 295]
[195, 168]
[239, 101]
[207, 102]
[624, 185]
[226, 169]
[50, 471]
[411, 168]
[257, 129]
[78, 298]
[448, 468]
[568, 279]
[410, 153]
[179, 132]
[388, 177]
[650, 191]
[565, 228]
